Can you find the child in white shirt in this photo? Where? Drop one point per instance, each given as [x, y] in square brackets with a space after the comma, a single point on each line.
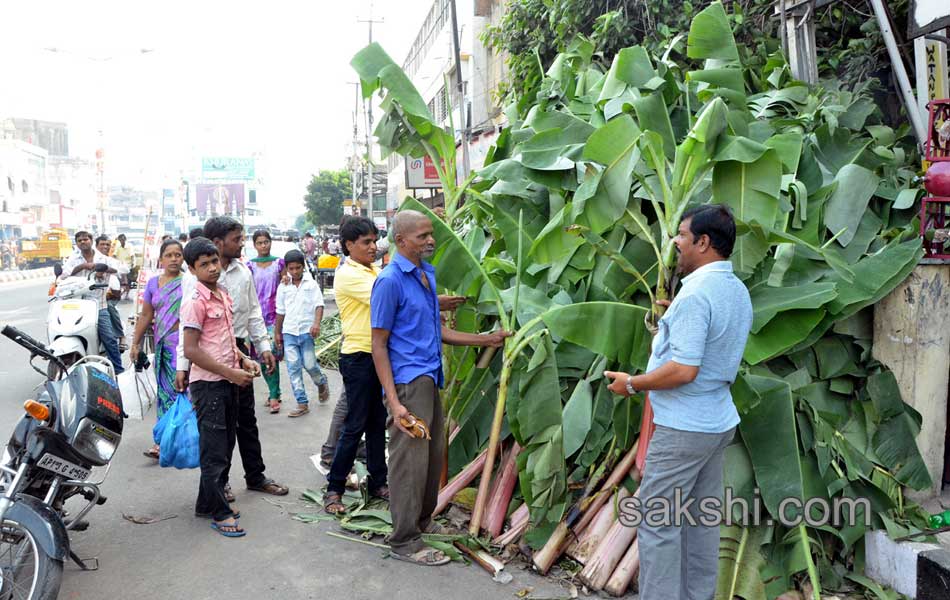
[299, 312]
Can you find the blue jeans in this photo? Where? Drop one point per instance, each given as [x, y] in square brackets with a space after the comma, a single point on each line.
[301, 356]
[109, 340]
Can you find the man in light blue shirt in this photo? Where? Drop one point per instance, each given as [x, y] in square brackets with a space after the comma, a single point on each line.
[695, 358]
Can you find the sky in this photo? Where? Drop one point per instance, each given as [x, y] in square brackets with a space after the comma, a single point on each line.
[167, 80]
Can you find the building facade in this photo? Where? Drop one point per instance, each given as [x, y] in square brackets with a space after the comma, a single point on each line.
[430, 64]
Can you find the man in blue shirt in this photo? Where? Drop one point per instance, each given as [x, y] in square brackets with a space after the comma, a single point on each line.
[695, 359]
[407, 351]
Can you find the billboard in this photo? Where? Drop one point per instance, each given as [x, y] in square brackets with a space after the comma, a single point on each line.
[421, 173]
[227, 168]
[218, 199]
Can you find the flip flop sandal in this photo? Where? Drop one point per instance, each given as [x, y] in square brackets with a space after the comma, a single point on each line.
[274, 407]
[333, 504]
[269, 486]
[152, 453]
[430, 557]
[228, 494]
[220, 528]
[236, 515]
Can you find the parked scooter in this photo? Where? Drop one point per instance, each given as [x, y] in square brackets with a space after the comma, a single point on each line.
[73, 319]
[74, 426]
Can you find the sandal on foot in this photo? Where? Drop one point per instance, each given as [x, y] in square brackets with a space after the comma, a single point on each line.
[228, 494]
[300, 411]
[333, 503]
[235, 515]
[274, 407]
[429, 557]
[324, 390]
[228, 529]
[382, 492]
[152, 452]
[269, 486]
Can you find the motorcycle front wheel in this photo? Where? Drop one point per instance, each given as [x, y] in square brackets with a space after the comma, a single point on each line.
[26, 573]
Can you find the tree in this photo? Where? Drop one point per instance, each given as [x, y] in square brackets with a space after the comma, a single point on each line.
[325, 195]
[302, 223]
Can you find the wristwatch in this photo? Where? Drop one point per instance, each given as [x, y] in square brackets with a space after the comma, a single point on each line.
[630, 389]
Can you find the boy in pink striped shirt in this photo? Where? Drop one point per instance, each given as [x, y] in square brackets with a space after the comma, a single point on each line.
[218, 368]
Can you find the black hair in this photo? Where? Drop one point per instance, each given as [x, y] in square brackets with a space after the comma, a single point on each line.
[308, 234]
[353, 228]
[182, 237]
[121, 236]
[715, 221]
[196, 232]
[218, 228]
[198, 247]
[82, 233]
[261, 233]
[295, 256]
[102, 238]
[166, 244]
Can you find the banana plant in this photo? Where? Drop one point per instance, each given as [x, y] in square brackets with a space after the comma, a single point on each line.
[565, 237]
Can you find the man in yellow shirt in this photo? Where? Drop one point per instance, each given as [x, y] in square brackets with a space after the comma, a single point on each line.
[123, 254]
[365, 411]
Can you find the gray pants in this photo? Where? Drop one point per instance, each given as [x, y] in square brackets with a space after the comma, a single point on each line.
[336, 426]
[680, 562]
[415, 466]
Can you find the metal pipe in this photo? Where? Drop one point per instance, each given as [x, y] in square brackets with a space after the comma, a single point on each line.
[466, 167]
[53, 490]
[897, 63]
[6, 501]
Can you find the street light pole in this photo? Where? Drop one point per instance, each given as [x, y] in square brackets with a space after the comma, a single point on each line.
[461, 89]
[368, 110]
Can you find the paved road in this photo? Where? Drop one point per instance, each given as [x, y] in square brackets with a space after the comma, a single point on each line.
[181, 558]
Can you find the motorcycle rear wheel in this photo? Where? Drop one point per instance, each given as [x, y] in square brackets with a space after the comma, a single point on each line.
[26, 573]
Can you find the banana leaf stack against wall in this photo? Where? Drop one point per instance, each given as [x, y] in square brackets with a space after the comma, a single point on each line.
[565, 238]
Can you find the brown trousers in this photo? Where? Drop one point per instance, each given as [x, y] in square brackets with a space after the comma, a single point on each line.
[415, 466]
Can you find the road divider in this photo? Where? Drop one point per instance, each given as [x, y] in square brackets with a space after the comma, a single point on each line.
[11, 276]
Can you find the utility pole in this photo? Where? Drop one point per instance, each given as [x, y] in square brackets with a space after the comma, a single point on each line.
[461, 90]
[368, 109]
[355, 165]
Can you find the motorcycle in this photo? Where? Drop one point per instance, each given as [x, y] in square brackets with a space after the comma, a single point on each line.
[72, 322]
[73, 427]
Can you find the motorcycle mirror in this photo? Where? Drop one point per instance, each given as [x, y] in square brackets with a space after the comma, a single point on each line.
[57, 269]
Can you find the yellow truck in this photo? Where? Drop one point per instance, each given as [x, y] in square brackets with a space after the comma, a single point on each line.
[54, 246]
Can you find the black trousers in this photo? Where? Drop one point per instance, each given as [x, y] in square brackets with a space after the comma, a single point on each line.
[216, 409]
[248, 436]
[365, 413]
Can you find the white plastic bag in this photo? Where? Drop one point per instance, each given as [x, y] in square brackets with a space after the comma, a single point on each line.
[138, 391]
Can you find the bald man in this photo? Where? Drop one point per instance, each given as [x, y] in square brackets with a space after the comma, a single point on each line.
[407, 353]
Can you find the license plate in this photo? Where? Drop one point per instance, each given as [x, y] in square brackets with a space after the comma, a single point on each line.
[62, 467]
[71, 306]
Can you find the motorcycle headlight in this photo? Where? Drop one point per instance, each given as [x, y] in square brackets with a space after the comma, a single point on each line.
[94, 442]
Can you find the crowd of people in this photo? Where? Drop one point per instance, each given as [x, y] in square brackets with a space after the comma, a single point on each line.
[219, 322]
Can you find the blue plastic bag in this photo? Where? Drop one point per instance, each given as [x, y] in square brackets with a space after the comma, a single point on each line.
[159, 428]
[179, 445]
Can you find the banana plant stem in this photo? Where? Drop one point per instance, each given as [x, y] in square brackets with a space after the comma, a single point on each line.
[517, 344]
